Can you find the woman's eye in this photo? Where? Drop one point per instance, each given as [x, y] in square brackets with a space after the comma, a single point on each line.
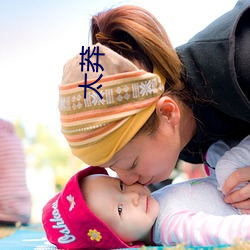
[121, 186]
[120, 206]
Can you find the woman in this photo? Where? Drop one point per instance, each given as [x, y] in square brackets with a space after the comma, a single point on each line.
[137, 124]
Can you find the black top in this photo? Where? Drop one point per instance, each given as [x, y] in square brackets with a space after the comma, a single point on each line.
[217, 66]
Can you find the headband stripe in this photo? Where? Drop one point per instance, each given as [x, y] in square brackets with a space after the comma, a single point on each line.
[93, 139]
[109, 112]
[108, 79]
[116, 95]
[93, 133]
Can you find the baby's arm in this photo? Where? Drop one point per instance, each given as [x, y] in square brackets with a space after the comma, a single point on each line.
[237, 157]
[214, 153]
[201, 229]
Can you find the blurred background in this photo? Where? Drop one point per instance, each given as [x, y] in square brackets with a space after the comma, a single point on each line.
[37, 38]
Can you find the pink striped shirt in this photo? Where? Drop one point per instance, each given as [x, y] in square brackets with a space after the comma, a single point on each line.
[15, 200]
[202, 229]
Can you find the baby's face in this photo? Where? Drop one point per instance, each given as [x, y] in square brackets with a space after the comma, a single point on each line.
[130, 211]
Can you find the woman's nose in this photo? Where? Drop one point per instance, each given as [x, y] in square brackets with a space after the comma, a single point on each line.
[126, 177]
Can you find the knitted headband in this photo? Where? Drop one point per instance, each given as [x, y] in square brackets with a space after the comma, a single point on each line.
[98, 121]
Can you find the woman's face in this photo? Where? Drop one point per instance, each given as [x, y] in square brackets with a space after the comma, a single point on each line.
[148, 159]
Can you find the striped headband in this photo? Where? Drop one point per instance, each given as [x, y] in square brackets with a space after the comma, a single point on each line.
[98, 122]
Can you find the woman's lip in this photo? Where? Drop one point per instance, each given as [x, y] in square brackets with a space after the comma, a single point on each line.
[148, 183]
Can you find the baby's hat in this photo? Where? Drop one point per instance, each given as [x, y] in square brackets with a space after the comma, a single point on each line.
[69, 223]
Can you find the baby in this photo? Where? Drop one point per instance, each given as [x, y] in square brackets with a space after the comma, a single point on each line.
[96, 211]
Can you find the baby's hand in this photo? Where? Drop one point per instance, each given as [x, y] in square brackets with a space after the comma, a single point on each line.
[240, 198]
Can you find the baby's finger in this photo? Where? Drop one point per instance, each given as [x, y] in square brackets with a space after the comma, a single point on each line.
[245, 211]
[237, 177]
[244, 206]
[240, 195]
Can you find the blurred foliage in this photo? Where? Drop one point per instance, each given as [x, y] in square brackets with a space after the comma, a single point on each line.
[45, 150]
[20, 130]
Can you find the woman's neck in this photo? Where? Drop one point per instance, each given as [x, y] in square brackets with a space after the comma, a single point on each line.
[187, 125]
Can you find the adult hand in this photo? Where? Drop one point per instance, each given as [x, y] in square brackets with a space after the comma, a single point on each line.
[241, 197]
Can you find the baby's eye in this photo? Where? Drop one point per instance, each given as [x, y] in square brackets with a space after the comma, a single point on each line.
[120, 206]
[121, 186]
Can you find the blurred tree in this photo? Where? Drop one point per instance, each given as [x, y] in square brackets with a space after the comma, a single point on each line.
[20, 130]
[45, 150]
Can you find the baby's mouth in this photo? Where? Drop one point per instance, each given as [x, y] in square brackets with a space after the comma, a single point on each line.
[147, 202]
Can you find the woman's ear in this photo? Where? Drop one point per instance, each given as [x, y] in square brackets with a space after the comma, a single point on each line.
[168, 109]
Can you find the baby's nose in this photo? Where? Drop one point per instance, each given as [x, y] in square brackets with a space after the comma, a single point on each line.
[133, 197]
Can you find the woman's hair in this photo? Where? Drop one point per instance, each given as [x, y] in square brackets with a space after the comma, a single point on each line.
[137, 35]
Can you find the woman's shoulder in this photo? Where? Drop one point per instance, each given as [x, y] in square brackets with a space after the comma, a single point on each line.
[209, 65]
